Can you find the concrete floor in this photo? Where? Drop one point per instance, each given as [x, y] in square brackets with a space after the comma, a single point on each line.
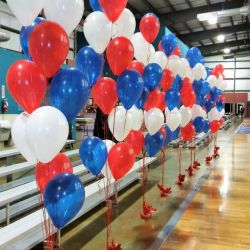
[128, 228]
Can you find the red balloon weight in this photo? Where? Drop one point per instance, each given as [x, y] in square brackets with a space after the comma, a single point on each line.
[113, 8]
[176, 52]
[26, 84]
[105, 95]
[149, 27]
[154, 100]
[163, 132]
[167, 79]
[47, 171]
[49, 47]
[137, 66]
[214, 126]
[136, 140]
[188, 132]
[120, 52]
[121, 159]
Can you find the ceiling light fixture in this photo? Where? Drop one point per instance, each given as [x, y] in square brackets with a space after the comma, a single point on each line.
[227, 51]
[221, 38]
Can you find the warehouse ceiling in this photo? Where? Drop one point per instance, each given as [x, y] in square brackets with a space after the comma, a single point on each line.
[180, 16]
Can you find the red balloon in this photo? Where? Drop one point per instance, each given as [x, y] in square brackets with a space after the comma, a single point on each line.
[136, 140]
[214, 126]
[120, 52]
[149, 27]
[218, 70]
[49, 47]
[188, 97]
[167, 79]
[45, 172]
[137, 66]
[121, 159]
[162, 103]
[176, 52]
[163, 132]
[188, 132]
[26, 84]
[105, 95]
[113, 8]
[154, 100]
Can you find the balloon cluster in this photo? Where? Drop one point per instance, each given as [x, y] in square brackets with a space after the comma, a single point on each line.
[166, 94]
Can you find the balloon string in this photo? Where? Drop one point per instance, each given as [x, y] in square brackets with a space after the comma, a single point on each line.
[125, 122]
[143, 178]
[180, 158]
[148, 55]
[194, 148]
[163, 167]
[114, 124]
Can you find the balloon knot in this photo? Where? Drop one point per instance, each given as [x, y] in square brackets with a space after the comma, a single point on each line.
[181, 179]
[216, 152]
[208, 160]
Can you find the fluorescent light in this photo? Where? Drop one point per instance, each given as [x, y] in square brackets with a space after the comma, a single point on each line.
[221, 38]
[227, 51]
[208, 17]
[213, 20]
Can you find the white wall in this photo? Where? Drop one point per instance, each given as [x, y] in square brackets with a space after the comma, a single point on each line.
[242, 72]
[8, 19]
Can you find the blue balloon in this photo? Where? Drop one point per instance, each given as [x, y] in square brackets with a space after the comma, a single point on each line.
[220, 105]
[154, 143]
[25, 35]
[198, 123]
[169, 43]
[200, 100]
[176, 134]
[130, 88]
[201, 87]
[152, 76]
[194, 56]
[172, 99]
[208, 70]
[177, 84]
[93, 153]
[142, 100]
[169, 134]
[69, 92]
[95, 5]
[206, 127]
[215, 93]
[63, 198]
[90, 63]
[208, 105]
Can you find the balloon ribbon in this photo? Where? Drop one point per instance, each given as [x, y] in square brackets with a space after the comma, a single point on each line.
[190, 169]
[164, 191]
[181, 177]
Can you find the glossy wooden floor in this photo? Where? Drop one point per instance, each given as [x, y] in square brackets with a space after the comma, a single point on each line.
[219, 215]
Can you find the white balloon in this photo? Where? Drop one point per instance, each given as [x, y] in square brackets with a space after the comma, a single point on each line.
[68, 13]
[137, 116]
[199, 72]
[223, 85]
[212, 80]
[125, 25]
[98, 31]
[26, 10]
[174, 64]
[197, 111]
[154, 119]
[186, 115]
[214, 114]
[160, 58]
[18, 132]
[120, 122]
[106, 170]
[143, 51]
[173, 118]
[219, 82]
[47, 131]
[184, 68]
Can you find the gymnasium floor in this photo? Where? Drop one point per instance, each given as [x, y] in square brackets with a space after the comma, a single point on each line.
[217, 218]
